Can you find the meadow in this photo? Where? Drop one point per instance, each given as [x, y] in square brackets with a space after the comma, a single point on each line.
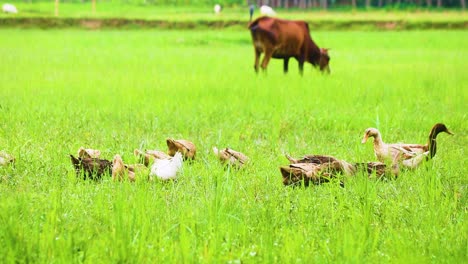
[120, 90]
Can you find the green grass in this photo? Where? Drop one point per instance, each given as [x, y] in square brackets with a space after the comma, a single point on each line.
[121, 90]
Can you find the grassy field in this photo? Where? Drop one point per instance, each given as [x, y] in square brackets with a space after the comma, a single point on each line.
[121, 90]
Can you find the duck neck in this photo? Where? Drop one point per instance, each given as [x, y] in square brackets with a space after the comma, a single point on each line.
[378, 143]
[432, 142]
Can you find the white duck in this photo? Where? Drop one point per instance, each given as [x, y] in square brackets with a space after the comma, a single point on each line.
[166, 169]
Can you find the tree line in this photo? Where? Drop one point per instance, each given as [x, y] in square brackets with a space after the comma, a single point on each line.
[299, 4]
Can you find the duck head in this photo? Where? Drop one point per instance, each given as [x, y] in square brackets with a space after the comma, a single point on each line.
[370, 132]
[439, 127]
[118, 167]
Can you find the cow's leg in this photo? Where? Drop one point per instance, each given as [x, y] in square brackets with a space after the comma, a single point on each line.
[257, 59]
[266, 58]
[301, 65]
[285, 65]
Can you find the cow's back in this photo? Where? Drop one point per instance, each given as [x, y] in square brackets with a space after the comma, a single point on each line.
[286, 37]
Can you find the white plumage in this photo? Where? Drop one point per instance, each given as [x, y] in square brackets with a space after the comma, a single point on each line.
[166, 169]
[9, 8]
[267, 11]
[217, 8]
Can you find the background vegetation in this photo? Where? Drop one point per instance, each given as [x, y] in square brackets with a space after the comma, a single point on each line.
[302, 4]
[120, 90]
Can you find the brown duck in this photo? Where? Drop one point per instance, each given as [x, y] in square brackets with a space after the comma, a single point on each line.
[183, 146]
[92, 168]
[310, 173]
[122, 172]
[345, 168]
[231, 157]
[314, 169]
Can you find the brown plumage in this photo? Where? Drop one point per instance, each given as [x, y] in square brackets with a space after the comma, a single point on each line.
[310, 173]
[122, 171]
[231, 157]
[317, 159]
[378, 168]
[346, 168]
[409, 155]
[88, 153]
[185, 147]
[315, 168]
[149, 156]
[92, 168]
[333, 166]
[119, 171]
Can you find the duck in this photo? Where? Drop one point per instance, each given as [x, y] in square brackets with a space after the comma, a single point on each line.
[185, 147]
[6, 159]
[166, 169]
[409, 155]
[148, 156]
[231, 157]
[122, 171]
[314, 173]
[92, 168]
[317, 159]
[314, 169]
[88, 153]
[346, 168]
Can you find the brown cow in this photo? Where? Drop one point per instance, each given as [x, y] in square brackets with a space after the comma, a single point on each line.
[283, 39]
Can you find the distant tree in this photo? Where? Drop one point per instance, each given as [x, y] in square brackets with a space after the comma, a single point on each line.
[439, 3]
[324, 4]
[463, 4]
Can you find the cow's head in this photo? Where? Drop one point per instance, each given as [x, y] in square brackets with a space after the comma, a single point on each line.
[324, 60]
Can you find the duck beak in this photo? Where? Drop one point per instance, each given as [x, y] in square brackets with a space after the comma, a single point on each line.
[449, 132]
[364, 139]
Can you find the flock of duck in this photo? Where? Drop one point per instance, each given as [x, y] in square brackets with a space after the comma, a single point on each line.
[310, 169]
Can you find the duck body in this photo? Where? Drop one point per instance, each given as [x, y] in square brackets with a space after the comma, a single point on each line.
[166, 169]
[231, 157]
[315, 169]
[346, 168]
[379, 169]
[122, 171]
[92, 168]
[187, 148]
